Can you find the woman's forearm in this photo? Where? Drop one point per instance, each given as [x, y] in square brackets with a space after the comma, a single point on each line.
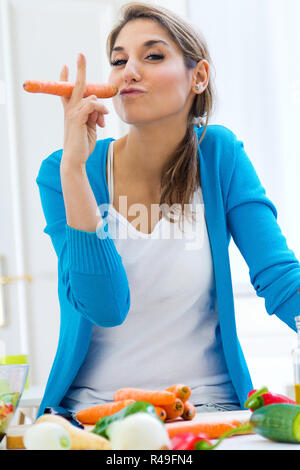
[91, 274]
[80, 204]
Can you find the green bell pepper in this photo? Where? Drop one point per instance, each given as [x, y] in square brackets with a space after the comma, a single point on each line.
[102, 425]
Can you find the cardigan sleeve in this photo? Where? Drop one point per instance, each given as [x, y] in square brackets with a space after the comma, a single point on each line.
[90, 270]
[252, 221]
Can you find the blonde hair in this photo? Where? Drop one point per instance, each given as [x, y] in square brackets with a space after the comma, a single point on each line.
[181, 176]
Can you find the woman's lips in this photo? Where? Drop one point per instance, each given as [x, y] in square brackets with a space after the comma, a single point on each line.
[128, 93]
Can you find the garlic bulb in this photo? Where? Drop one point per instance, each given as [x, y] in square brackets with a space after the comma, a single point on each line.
[139, 431]
[47, 436]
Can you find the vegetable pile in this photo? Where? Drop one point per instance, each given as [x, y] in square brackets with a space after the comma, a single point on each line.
[140, 419]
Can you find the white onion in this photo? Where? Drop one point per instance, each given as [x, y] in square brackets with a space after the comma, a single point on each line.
[139, 431]
[46, 436]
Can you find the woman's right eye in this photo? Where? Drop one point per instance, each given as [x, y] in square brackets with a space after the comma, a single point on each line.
[116, 62]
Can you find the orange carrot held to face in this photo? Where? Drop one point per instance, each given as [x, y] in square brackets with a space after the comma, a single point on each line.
[175, 410]
[189, 411]
[101, 90]
[155, 397]
[94, 413]
[181, 391]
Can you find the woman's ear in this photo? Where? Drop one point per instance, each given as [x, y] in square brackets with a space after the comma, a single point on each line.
[201, 76]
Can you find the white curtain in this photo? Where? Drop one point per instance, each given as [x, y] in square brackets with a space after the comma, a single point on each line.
[255, 49]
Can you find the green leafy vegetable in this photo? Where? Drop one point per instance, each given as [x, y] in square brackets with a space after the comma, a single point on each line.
[102, 425]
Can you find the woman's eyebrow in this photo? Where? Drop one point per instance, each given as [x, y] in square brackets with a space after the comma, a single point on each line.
[146, 44]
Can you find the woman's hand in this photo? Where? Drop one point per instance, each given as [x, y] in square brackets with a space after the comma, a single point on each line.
[81, 116]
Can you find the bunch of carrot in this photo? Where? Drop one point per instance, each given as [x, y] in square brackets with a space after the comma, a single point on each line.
[170, 403]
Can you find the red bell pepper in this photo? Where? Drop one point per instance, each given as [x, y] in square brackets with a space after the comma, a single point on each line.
[262, 397]
[190, 441]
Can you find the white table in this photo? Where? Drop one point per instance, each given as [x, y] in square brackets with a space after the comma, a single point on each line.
[244, 442]
[254, 442]
[32, 396]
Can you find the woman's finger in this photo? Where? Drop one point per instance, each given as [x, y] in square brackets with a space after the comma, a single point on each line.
[64, 78]
[90, 107]
[79, 88]
[93, 99]
[100, 120]
[93, 117]
[96, 118]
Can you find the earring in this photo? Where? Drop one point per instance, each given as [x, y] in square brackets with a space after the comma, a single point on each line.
[197, 87]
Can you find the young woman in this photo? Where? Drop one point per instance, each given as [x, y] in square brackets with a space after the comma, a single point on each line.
[153, 305]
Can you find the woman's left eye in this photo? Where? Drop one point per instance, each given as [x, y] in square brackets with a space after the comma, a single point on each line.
[158, 57]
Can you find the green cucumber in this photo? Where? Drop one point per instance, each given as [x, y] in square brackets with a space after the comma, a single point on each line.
[279, 422]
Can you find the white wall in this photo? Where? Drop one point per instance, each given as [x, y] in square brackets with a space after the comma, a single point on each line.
[37, 37]
[255, 51]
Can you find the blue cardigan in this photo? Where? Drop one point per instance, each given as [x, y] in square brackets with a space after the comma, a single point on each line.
[92, 282]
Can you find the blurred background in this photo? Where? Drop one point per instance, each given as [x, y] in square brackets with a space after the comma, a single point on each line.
[255, 50]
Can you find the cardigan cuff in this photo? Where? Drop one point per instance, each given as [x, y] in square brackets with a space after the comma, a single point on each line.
[288, 310]
[92, 252]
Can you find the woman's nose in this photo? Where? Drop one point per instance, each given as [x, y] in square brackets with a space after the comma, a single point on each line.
[131, 71]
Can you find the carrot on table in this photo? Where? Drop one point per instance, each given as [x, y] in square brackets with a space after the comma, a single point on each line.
[175, 410]
[101, 90]
[161, 412]
[155, 397]
[213, 430]
[92, 414]
[181, 391]
[189, 410]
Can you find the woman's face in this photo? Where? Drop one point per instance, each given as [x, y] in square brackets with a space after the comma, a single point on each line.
[158, 69]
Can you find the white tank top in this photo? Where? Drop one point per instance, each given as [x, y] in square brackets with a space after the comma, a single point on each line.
[171, 333]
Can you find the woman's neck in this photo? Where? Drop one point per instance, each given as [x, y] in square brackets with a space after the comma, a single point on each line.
[145, 154]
